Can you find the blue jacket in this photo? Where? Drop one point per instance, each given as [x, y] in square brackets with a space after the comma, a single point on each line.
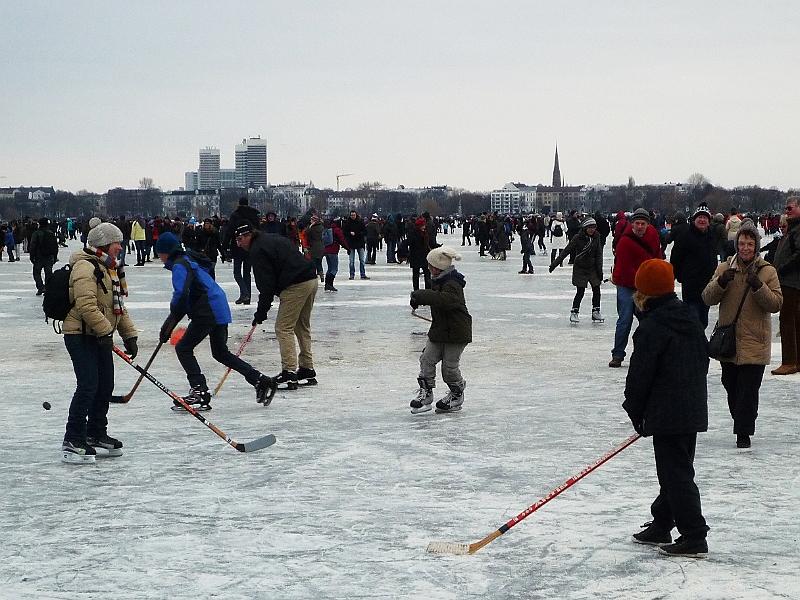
[10, 239]
[195, 293]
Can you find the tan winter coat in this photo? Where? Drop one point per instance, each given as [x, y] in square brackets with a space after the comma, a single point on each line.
[93, 306]
[754, 327]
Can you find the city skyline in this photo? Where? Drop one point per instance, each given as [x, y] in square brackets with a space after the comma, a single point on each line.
[404, 93]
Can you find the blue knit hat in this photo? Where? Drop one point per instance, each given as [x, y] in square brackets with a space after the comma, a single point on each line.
[166, 243]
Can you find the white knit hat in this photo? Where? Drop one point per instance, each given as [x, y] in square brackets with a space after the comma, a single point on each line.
[103, 235]
[94, 222]
[442, 257]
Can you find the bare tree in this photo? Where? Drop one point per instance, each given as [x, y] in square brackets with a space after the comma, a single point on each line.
[146, 183]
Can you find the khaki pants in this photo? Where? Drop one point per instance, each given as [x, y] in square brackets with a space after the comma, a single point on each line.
[294, 319]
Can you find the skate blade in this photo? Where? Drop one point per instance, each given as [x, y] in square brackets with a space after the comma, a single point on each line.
[201, 408]
[447, 548]
[426, 408]
[106, 453]
[71, 458]
[441, 411]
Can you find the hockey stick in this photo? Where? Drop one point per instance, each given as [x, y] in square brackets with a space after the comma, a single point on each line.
[453, 548]
[258, 444]
[414, 312]
[127, 397]
[239, 353]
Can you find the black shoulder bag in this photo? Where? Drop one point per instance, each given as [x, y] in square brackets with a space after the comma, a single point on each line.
[723, 340]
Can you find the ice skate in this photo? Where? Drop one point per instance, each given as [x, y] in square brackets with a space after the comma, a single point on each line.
[451, 402]
[199, 399]
[597, 316]
[265, 390]
[573, 317]
[75, 453]
[424, 399]
[286, 380]
[306, 376]
[107, 445]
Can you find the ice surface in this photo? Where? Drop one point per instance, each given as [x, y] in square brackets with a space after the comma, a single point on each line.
[345, 504]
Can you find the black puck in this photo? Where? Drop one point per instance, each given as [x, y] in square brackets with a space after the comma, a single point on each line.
[46, 405]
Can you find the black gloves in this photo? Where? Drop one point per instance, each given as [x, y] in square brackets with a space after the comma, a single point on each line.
[726, 278]
[638, 425]
[551, 268]
[166, 330]
[754, 282]
[106, 342]
[413, 302]
[131, 347]
[259, 318]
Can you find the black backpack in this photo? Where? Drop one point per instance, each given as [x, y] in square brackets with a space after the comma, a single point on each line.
[558, 231]
[55, 303]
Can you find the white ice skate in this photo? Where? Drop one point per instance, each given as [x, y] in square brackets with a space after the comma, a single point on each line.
[597, 316]
[573, 317]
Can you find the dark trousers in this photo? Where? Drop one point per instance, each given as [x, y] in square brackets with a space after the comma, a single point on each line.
[527, 265]
[465, 237]
[790, 325]
[678, 501]
[579, 292]
[241, 274]
[415, 277]
[44, 263]
[700, 309]
[742, 383]
[94, 374]
[196, 332]
[372, 252]
[140, 252]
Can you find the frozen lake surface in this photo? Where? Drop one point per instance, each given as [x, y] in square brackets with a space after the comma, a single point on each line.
[344, 505]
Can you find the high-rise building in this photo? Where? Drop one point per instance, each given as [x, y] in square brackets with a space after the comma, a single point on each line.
[227, 178]
[190, 181]
[208, 173]
[251, 163]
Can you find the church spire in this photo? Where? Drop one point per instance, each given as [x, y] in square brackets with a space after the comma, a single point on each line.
[556, 172]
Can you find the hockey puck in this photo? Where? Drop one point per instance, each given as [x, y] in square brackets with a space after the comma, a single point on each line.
[177, 335]
[46, 405]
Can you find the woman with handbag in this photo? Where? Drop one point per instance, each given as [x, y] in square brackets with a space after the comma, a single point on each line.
[747, 290]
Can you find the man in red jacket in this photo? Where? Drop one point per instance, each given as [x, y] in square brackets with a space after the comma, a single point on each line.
[639, 242]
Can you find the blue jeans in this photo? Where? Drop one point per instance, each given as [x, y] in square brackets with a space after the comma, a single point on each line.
[391, 249]
[241, 274]
[624, 320]
[700, 309]
[196, 332]
[352, 254]
[317, 264]
[94, 373]
[333, 264]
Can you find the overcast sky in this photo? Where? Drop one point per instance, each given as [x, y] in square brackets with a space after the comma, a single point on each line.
[470, 94]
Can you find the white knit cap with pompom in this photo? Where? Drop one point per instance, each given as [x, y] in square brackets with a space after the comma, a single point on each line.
[442, 257]
[94, 222]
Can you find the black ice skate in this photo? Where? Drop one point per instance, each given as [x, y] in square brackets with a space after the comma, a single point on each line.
[306, 376]
[286, 380]
[451, 402]
[76, 453]
[265, 390]
[106, 444]
[424, 399]
[199, 399]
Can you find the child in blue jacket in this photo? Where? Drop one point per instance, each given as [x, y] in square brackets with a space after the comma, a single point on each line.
[201, 298]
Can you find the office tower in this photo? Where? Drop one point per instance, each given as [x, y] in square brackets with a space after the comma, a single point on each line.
[208, 173]
[251, 163]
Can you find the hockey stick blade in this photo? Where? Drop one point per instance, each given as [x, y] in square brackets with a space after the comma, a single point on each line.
[258, 444]
[447, 548]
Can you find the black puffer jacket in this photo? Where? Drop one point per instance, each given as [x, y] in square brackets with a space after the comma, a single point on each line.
[694, 260]
[588, 266]
[276, 265]
[666, 383]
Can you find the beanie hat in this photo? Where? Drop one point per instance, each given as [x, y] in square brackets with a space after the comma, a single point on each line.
[103, 235]
[166, 243]
[655, 277]
[243, 229]
[701, 210]
[590, 222]
[442, 257]
[639, 214]
[44, 222]
[243, 201]
[749, 228]
[420, 222]
[94, 222]
[719, 218]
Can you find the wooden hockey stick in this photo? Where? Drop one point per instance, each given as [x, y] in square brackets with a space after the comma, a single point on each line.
[414, 312]
[454, 548]
[127, 397]
[228, 372]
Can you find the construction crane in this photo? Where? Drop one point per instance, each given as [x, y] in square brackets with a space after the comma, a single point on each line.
[338, 175]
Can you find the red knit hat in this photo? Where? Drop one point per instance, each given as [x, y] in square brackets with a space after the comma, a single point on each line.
[655, 277]
[420, 222]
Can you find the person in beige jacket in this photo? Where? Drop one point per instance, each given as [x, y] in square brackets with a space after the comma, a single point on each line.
[745, 275]
[98, 289]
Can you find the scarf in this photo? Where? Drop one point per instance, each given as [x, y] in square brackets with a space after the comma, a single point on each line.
[119, 287]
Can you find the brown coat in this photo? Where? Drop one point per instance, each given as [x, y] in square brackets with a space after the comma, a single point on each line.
[754, 327]
[93, 306]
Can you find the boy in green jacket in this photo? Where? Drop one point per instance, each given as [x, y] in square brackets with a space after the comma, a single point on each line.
[450, 332]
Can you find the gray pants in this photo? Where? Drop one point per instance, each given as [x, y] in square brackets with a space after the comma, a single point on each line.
[449, 355]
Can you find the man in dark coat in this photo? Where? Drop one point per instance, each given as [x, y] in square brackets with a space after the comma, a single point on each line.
[43, 249]
[355, 235]
[243, 215]
[280, 270]
[694, 259]
[787, 263]
[666, 397]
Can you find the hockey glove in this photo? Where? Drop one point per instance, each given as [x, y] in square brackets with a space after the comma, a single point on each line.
[166, 330]
[413, 302]
[131, 347]
[259, 318]
[551, 268]
[106, 342]
[638, 425]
